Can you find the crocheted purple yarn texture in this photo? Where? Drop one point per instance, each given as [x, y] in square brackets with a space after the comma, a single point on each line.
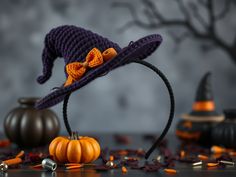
[73, 44]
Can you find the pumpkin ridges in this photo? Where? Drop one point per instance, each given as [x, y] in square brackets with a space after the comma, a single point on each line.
[61, 150]
[53, 146]
[20, 122]
[96, 147]
[74, 151]
[86, 139]
[51, 125]
[87, 150]
[65, 150]
[35, 124]
[12, 126]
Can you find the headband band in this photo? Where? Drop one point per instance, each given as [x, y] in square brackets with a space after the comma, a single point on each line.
[171, 114]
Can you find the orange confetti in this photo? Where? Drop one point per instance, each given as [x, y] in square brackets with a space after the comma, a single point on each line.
[37, 166]
[111, 158]
[72, 164]
[14, 161]
[217, 149]
[212, 164]
[182, 154]
[202, 157]
[74, 167]
[124, 169]
[170, 170]
[20, 154]
[232, 153]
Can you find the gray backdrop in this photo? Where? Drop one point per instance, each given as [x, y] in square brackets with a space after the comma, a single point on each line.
[129, 99]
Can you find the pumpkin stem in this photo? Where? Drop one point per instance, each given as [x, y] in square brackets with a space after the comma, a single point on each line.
[77, 135]
[65, 117]
[74, 136]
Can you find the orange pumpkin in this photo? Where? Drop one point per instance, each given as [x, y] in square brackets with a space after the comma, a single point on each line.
[75, 149]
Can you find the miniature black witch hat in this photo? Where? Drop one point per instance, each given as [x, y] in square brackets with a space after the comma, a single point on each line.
[203, 109]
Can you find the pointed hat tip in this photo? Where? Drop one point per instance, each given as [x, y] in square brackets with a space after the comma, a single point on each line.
[204, 90]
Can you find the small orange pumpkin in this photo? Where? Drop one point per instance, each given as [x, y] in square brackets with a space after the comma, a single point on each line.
[75, 149]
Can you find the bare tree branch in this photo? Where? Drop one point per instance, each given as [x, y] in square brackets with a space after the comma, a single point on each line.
[150, 17]
[178, 39]
[135, 19]
[150, 5]
[225, 10]
[202, 2]
[234, 42]
[183, 9]
[197, 15]
[156, 20]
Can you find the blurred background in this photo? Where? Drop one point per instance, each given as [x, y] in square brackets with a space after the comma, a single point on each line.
[198, 37]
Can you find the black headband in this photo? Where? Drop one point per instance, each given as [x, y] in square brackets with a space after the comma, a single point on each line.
[171, 114]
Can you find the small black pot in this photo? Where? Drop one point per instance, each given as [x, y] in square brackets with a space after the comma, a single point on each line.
[224, 133]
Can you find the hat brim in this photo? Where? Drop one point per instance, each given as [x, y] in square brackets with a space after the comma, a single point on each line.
[203, 118]
[136, 50]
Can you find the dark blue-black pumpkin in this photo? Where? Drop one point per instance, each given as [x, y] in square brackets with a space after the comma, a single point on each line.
[29, 127]
[224, 133]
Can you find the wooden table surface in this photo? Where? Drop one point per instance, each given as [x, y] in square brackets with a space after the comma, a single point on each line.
[137, 141]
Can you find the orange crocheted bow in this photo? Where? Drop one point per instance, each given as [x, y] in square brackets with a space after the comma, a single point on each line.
[93, 59]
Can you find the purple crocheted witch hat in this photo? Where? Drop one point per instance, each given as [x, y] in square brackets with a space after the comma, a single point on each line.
[78, 47]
